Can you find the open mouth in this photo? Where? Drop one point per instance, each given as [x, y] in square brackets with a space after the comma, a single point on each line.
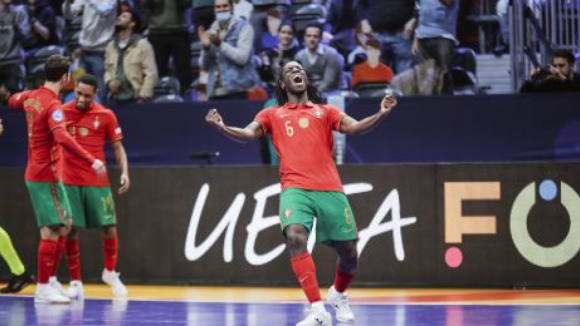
[298, 79]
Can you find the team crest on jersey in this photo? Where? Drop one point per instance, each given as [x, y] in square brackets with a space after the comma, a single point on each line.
[96, 123]
[304, 123]
[57, 115]
[83, 131]
[318, 113]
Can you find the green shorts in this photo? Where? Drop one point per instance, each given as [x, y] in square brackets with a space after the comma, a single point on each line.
[91, 206]
[334, 218]
[50, 203]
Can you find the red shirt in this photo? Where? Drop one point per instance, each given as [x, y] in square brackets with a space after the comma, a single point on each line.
[364, 73]
[90, 128]
[302, 136]
[43, 115]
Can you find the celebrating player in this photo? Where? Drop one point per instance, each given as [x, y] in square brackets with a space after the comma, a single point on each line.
[90, 196]
[301, 131]
[46, 138]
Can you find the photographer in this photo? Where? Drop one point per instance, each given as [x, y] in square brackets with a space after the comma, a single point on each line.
[557, 77]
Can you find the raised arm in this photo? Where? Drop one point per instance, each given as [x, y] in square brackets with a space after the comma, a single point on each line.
[252, 131]
[351, 126]
[121, 157]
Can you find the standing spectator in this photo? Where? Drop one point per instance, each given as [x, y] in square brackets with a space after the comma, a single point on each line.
[501, 10]
[130, 70]
[98, 26]
[392, 23]
[284, 52]
[371, 70]
[435, 35]
[42, 24]
[170, 39]
[14, 28]
[227, 54]
[322, 63]
[259, 16]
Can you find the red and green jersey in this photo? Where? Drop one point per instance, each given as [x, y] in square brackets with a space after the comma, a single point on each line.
[302, 136]
[91, 129]
[43, 115]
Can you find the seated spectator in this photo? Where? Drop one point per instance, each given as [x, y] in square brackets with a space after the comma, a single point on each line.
[226, 54]
[274, 59]
[42, 18]
[558, 77]
[14, 28]
[130, 70]
[269, 38]
[322, 63]
[361, 39]
[259, 16]
[371, 70]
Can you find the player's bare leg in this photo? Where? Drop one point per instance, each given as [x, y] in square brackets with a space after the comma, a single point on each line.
[47, 249]
[305, 271]
[111, 248]
[345, 268]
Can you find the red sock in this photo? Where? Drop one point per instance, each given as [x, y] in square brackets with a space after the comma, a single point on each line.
[73, 258]
[342, 280]
[58, 254]
[111, 246]
[46, 252]
[305, 272]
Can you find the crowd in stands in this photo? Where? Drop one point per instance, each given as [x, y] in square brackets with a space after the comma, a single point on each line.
[178, 50]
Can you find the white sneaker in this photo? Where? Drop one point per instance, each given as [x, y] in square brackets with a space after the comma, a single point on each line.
[55, 284]
[112, 279]
[75, 290]
[317, 317]
[339, 301]
[45, 293]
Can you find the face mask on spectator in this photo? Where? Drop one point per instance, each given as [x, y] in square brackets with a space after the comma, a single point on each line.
[223, 16]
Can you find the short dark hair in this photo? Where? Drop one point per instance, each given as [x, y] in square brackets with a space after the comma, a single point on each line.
[566, 54]
[137, 19]
[373, 43]
[89, 80]
[55, 67]
[314, 25]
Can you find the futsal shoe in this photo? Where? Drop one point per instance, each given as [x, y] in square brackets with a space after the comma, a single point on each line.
[317, 317]
[339, 301]
[47, 294]
[55, 284]
[112, 279]
[75, 290]
[17, 283]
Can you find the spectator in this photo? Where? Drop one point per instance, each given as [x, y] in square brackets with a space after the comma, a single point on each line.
[226, 54]
[202, 13]
[501, 10]
[274, 59]
[168, 33]
[435, 35]
[354, 57]
[259, 17]
[43, 26]
[269, 38]
[322, 63]
[558, 77]
[131, 72]
[243, 9]
[342, 21]
[392, 23]
[98, 26]
[371, 70]
[14, 28]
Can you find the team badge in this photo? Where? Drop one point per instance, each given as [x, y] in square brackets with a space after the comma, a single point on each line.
[57, 115]
[318, 113]
[96, 123]
[304, 123]
[83, 131]
[118, 130]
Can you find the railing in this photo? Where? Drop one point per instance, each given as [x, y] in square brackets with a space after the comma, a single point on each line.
[537, 28]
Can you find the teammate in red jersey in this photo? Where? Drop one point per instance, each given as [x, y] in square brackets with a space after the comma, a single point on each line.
[90, 197]
[301, 131]
[46, 138]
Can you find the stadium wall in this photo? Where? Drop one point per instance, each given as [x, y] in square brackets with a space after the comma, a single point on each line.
[464, 225]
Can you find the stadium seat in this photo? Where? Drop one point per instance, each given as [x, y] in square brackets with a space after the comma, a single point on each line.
[168, 85]
[371, 89]
[464, 72]
[41, 55]
[168, 98]
[309, 14]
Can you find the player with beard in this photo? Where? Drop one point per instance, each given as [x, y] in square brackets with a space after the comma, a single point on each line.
[91, 199]
[301, 129]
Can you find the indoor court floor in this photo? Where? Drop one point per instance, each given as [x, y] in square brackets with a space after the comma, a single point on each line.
[241, 306]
